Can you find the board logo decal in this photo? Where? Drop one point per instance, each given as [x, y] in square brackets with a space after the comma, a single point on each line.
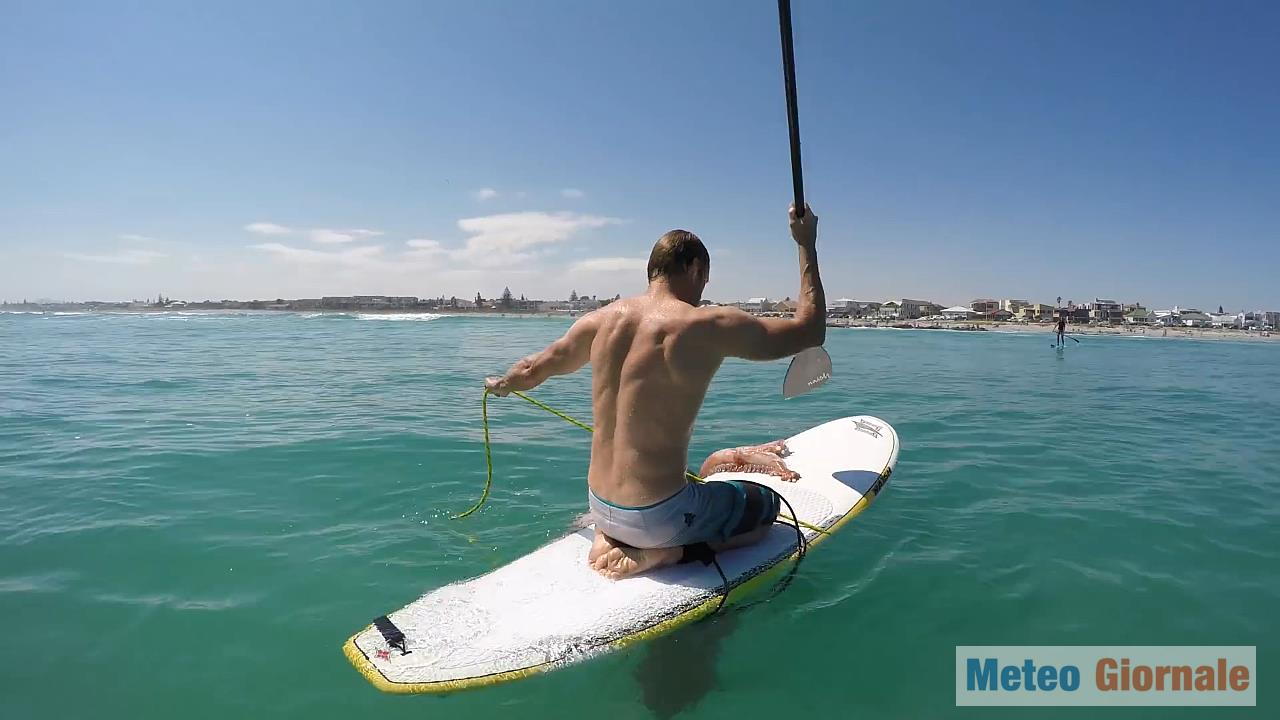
[880, 481]
[869, 428]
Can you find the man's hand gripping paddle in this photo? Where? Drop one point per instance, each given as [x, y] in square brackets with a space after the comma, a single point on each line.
[810, 368]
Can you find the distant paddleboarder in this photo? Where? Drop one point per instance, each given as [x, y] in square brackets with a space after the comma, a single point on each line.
[652, 359]
[1062, 331]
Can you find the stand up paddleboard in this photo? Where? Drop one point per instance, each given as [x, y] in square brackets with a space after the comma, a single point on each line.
[549, 609]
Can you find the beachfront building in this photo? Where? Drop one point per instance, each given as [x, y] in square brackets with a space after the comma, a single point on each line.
[576, 305]
[1139, 316]
[909, 309]
[1074, 314]
[755, 305]
[844, 307]
[1037, 312]
[905, 309]
[984, 306]
[1225, 320]
[368, 302]
[1013, 306]
[1250, 320]
[1193, 318]
[959, 312]
[1106, 311]
[1271, 319]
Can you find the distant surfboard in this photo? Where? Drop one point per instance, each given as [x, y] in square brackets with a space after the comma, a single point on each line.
[549, 609]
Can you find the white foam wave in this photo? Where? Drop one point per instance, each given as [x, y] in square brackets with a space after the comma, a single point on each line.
[411, 317]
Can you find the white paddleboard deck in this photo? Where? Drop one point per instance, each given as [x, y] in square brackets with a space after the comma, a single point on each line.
[549, 609]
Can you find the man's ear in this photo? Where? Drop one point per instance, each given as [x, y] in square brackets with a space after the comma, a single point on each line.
[698, 271]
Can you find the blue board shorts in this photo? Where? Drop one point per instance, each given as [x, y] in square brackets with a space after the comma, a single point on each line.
[708, 512]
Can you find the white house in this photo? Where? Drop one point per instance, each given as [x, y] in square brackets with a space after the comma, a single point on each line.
[959, 312]
[1224, 320]
[755, 305]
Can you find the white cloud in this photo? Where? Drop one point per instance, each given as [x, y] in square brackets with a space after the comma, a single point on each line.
[122, 257]
[514, 238]
[324, 236]
[421, 249]
[485, 194]
[357, 256]
[266, 228]
[330, 236]
[131, 237]
[572, 193]
[610, 264]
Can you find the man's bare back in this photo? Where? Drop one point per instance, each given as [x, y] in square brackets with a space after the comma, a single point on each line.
[652, 359]
[651, 363]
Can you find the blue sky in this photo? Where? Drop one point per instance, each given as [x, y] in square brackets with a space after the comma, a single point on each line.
[952, 150]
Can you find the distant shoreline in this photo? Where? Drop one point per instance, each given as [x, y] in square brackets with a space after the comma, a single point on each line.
[450, 312]
[1078, 330]
[836, 323]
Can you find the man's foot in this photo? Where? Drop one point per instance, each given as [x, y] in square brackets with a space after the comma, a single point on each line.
[615, 560]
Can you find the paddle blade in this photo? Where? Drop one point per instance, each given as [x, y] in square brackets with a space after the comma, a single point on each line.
[808, 370]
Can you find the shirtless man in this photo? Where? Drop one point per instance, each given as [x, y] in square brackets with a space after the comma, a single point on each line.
[652, 358]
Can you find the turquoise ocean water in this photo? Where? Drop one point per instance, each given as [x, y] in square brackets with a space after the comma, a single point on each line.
[197, 510]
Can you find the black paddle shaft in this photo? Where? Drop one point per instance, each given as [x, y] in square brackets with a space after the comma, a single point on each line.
[793, 113]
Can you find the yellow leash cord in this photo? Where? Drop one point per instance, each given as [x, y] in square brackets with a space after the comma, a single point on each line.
[488, 456]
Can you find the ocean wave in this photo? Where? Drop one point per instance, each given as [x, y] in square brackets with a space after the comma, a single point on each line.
[412, 317]
[328, 315]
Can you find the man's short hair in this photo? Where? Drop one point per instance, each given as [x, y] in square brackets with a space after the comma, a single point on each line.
[674, 252]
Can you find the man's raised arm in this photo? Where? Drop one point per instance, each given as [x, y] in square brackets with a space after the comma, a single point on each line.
[561, 357]
[741, 335]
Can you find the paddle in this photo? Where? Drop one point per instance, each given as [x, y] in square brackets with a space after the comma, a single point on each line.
[808, 370]
[811, 368]
[793, 112]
